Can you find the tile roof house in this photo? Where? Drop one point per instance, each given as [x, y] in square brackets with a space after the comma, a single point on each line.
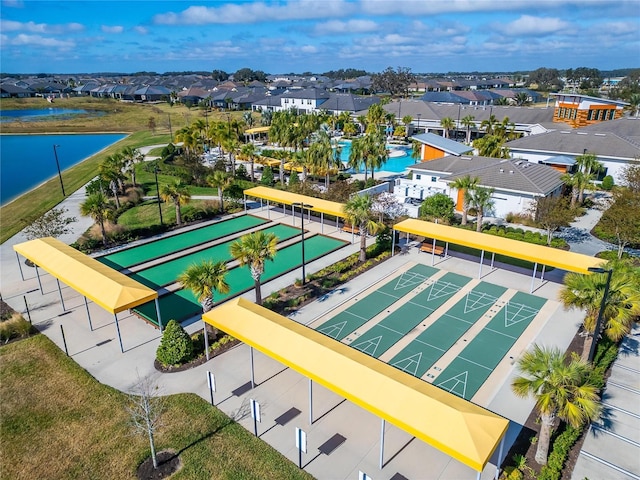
[436, 146]
[581, 110]
[517, 183]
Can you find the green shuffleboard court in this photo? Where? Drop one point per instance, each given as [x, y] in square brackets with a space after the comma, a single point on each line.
[182, 305]
[398, 323]
[168, 272]
[368, 307]
[465, 374]
[175, 243]
[425, 350]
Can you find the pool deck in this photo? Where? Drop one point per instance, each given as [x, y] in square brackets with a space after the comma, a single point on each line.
[279, 389]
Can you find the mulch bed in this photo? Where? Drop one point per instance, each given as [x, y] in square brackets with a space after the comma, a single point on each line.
[168, 464]
[198, 361]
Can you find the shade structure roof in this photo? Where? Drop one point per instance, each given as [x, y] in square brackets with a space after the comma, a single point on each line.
[287, 198]
[451, 424]
[110, 289]
[569, 261]
[256, 130]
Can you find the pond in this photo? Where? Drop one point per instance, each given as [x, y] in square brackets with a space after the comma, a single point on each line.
[26, 161]
[39, 114]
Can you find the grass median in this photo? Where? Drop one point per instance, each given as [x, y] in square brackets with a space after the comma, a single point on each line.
[57, 421]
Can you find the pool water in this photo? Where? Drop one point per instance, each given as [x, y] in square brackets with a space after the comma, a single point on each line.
[396, 163]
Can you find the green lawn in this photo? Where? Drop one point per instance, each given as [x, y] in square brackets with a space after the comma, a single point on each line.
[58, 422]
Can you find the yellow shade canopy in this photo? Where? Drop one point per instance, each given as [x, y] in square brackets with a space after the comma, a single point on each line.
[553, 257]
[288, 198]
[112, 290]
[449, 423]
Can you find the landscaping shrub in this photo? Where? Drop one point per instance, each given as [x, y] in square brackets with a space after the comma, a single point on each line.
[607, 183]
[15, 327]
[175, 347]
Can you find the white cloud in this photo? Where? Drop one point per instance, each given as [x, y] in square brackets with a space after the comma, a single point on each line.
[348, 27]
[141, 30]
[247, 13]
[530, 25]
[32, 27]
[39, 41]
[112, 29]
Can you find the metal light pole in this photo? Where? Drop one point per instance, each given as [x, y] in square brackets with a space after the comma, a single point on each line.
[155, 171]
[55, 153]
[603, 304]
[302, 207]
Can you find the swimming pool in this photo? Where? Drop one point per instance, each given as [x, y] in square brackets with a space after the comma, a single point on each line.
[399, 157]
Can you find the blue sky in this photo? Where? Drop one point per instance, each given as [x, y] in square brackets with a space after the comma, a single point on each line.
[317, 35]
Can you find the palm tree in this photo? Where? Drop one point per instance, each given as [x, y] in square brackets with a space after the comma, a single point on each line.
[358, 212]
[110, 170]
[466, 184]
[220, 180]
[254, 249]
[491, 146]
[480, 199]
[468, 123]
[634, 104]
[622, 305]
[589, 165]
[501, 101]
[132, 156]
[375, 117]
[447, 123]
[248, 119]
[522, 98]
[203, 279]
[561, 389]
[178, 193]
[488, 124]
[573, 181]
[248, 150]
[99, 209]
[416, 150]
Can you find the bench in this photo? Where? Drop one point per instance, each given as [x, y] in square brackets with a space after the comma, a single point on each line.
[429, 248]
[351, 229]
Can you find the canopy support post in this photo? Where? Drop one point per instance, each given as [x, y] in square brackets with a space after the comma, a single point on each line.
[115, 315]
[206, 339]
[268, 211]
[481, 262]
[499, 458]
[478, 475]
[253, 382]
[542, 274]
[533, 278]
[20, 266]
[321, 222]
[310, 402]
[382, 425]
[446, 250]
[493, 257]
[433, 251]
[158, 314]
[61, 297]
[39, 282]
[86, 305]
[393, 241]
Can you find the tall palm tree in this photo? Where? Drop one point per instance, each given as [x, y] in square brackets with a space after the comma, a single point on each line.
[248, 150]
[491, 146]
[489, 124]
[589, 165]
[178, 193]
[561, 389]
[220, 180]
[132, 156]
[204, 279]
[621, 309]
[254, 249]
[110, 170]
[522, 98]
[447, 123]
[466, 184]
[358, 212]
[468, 123]
[98, 207]
[480, 199]
[416, 150]
[375, 117]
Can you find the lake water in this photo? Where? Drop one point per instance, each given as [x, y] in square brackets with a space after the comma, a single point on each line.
[28, 160]
[29, 115]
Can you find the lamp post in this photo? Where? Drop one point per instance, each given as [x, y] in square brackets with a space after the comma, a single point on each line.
[302, 207]
[55, 154]
[419, 115]
[155, 172]
[603, 304]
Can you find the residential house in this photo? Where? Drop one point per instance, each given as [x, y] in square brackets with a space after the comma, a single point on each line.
[516, 183]
[436, 146]
[581, 110]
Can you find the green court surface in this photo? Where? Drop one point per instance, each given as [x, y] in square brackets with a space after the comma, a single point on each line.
[398, 323]
[182, 305]
[168, 272]
[423, 352]
[466, 373]
[175, 243]
[368, 307]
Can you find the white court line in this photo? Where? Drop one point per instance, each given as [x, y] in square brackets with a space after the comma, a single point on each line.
[429, 345]
[500, 333]
[476, 363]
